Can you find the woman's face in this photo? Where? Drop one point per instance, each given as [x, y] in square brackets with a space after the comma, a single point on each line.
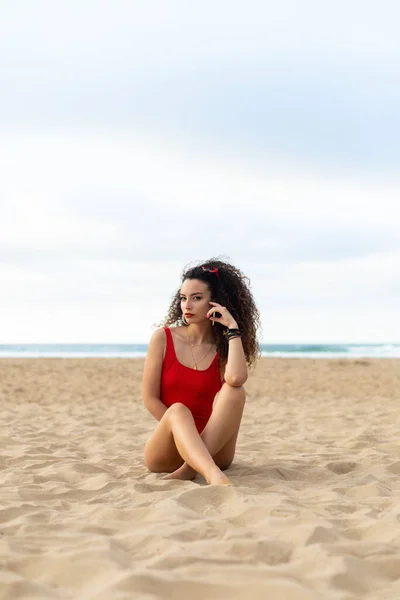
[195, 296]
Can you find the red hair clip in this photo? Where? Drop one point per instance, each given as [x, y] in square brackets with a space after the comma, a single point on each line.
[211, 270]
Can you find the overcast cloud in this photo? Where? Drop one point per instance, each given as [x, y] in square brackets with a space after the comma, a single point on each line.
[139, 136]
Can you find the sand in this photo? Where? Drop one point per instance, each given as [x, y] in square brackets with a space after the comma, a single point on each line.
[314, 512]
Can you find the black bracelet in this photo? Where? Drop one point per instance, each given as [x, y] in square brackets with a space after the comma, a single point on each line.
[228, 333]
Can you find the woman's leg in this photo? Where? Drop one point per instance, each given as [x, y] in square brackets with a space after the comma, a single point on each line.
[176, 434]
[224, 422]
[221, 432]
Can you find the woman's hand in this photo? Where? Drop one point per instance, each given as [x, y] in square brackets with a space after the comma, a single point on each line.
[225, 318]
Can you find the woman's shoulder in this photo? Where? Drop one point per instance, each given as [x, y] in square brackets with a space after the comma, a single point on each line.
[160, 333]
[177, 331]
[158, 337]
[158, 341]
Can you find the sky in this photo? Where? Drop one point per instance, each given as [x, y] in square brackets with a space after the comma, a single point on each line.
[137, 138]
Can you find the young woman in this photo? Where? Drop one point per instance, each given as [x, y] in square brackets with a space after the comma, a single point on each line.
[207, 353]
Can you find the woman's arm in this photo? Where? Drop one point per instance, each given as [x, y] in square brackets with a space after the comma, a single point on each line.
[152, 375]
[236, 367]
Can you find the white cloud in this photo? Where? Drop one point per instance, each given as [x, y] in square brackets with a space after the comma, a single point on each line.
[298, 79]
[94, 236]
[157, 34]
[203, 105]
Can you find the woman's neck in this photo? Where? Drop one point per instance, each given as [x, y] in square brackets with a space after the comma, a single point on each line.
[199, 333]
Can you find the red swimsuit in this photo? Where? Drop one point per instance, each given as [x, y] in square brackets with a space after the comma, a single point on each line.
[195, 389]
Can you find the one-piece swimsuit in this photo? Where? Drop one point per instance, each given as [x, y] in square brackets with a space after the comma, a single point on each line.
[194, 388]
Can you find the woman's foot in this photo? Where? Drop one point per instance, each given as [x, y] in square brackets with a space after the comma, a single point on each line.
[216, 477]
[185, 472]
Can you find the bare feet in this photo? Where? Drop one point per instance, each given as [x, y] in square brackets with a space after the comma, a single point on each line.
[185, 472]
[216, 477]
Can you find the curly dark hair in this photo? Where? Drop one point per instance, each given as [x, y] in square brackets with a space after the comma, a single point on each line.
[230, 290]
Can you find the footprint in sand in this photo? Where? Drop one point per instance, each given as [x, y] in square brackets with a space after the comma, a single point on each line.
[341, 468]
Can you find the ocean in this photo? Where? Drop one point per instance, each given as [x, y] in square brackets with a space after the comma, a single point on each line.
[140, 350]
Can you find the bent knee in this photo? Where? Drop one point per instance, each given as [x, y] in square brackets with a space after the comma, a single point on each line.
[157, 463]
[151, 465]
[177, 409]
[162, 467]
[236, 391]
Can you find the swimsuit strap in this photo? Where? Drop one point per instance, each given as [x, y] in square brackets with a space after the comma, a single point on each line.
[170, 356]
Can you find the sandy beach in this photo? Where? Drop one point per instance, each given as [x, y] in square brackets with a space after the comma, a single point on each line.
[314, 512]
